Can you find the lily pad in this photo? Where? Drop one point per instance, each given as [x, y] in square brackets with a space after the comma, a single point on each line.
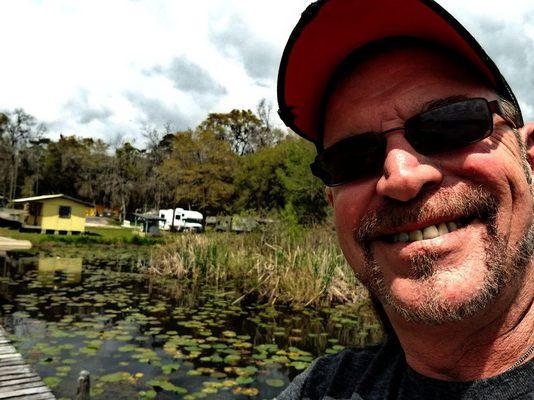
[52, 381]
[166, 385]
[168, 368]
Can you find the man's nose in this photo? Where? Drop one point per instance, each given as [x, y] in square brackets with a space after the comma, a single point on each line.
[406, 172]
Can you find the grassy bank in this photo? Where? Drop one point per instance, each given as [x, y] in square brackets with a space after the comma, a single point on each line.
[293, 266]
[105, 236]
[289, 265]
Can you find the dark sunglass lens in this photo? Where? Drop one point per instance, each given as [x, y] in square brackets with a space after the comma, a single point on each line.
[354, 158]
[450, 127]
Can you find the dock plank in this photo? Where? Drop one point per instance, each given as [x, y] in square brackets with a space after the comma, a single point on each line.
[18, 380]
[18, 392]
[18, 376]
[11, 382]
[7, 356]
[20, 386]
[12, 362]
[38, 396]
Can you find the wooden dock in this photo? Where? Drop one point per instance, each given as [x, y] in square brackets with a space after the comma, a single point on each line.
[18, 381]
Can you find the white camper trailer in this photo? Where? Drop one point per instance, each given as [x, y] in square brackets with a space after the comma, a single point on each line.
[181, 220]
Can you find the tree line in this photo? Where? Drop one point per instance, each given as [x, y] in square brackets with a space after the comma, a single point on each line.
[231, 163]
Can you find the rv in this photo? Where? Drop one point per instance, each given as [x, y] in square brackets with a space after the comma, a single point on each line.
[181, 220]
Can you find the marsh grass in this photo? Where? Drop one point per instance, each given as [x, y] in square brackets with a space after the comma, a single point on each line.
[297, 267]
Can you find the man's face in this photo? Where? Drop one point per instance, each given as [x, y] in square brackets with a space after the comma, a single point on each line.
[480, 190]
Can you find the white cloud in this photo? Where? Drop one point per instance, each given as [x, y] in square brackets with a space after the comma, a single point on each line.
[505, 29]
[81, 66]
[78, 65]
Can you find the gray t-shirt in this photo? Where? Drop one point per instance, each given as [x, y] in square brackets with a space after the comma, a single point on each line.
[381, 372]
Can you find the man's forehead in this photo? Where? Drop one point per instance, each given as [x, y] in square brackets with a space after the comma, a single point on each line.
[397, 84]
[403, 61]
[399, 70]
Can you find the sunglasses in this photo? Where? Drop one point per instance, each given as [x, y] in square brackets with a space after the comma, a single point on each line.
[438, 130]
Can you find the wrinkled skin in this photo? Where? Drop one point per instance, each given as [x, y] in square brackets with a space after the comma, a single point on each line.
[380, 94]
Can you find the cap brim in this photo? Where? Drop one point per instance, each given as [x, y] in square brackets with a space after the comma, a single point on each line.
[330, 30]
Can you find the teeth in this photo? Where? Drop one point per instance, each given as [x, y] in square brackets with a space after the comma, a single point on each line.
[452, 226]
[430, 232]
[416, 235]
[403, 237]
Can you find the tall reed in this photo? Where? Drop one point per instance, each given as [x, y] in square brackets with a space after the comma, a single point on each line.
[298, 267]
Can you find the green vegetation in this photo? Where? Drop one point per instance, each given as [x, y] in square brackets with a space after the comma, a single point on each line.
[93, 236]
[231, 163]
[121, 235]
[216, 314]
[283, 265]
[151, 337]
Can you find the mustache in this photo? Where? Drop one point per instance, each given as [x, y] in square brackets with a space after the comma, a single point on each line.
[449, 202]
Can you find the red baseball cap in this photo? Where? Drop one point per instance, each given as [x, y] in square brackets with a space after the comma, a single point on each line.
[330, 30]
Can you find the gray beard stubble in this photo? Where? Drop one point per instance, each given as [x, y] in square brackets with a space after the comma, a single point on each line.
[503, 261]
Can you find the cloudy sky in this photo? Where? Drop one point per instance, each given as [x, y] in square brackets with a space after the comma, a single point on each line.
[106, 68]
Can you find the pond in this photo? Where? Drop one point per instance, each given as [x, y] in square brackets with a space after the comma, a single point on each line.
[144, 338]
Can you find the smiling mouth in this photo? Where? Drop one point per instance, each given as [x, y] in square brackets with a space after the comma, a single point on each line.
[428, 232]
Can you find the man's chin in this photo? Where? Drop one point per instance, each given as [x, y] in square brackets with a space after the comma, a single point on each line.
[442, 295]
[446, 296]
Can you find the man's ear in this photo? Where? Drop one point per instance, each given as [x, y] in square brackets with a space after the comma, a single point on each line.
[527, 133]
[329, 195]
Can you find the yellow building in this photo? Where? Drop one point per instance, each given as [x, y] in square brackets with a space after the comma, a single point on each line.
[54, 213]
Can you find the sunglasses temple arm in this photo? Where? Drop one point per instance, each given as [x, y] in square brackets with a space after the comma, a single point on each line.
[501, 110]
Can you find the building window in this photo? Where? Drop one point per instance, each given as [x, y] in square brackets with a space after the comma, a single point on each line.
[64, 211]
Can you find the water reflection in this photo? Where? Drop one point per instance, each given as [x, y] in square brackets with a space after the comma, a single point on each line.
[146, 338]
[54, 271]
[60, 270]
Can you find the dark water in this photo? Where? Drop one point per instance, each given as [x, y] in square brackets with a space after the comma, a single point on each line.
[141, 338]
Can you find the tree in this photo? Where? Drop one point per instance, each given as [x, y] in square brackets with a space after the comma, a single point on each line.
[125, 173]
[199, 172]
[159, 145]
[77, 167]
[269, 135]
[17, 128]
[277, 178]
[32, 157]
[304, 192]
[258, 186]
[241, 128]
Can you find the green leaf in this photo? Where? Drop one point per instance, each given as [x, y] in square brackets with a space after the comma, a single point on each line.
[168, 368]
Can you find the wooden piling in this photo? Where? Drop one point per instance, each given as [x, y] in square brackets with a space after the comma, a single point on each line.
[84, 386]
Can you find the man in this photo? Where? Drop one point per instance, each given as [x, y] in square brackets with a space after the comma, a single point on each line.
[428, 164]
